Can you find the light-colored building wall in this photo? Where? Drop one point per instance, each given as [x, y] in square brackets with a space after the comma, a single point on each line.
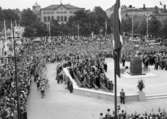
[137, 12]
[36, 8]
[61, 13]
[160, 13]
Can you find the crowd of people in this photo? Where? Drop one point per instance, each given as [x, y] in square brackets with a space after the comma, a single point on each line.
[10, 92]
[86, 67]
[16, 79]
[90, 68]
[122, 114]
[40, 78]
[159, 60]
[90, 73]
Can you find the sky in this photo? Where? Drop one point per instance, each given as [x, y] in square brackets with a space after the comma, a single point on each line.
[88, 4]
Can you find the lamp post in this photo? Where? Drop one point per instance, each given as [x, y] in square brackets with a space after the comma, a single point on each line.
[16, 79]
[49, 28]
[147, 27]
[147, 22]
[78, 27]
[15, 71]
[132, 27]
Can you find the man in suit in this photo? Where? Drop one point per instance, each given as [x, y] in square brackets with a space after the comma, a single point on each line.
[123, 60]
[108, 114]
[101, 116]
[122, 97]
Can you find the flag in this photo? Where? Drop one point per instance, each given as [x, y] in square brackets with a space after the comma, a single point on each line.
[12, 36]
[15, 23]
[5, 29]
[11, 27]
[117, 37]
[106, 27]
[78, 27]
[49, 29]
[1, 48]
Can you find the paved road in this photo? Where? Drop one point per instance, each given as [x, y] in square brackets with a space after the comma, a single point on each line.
[155, 84]
[60, 104]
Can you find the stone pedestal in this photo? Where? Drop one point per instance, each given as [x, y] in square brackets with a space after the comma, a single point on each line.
[142, 96]
[136, 66]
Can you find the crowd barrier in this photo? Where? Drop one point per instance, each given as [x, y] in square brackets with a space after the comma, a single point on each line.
[97, 93]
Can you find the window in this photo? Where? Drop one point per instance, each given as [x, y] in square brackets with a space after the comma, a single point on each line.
[52, 18]
[48, 18]
[61, 18]
[65, 18]
[45, 19]
[58, 18]
[61, 12]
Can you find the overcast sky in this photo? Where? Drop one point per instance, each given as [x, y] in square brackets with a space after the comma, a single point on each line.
[88, 4]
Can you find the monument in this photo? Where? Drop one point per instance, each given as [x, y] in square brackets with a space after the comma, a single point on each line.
[136, 65]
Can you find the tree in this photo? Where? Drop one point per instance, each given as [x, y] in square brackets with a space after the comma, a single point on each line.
[29, 32]
[142, 27]
[9, 15]
[33, 26]
[55, 28]
[28, 17]
[127, 25]
[1, 19]
[164, 29]
[89, 21]
[38, 29]
[1, 14]
[154, 27]
[81, 21]
[100, 19]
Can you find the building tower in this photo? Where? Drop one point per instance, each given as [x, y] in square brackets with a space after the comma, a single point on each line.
[36, 9]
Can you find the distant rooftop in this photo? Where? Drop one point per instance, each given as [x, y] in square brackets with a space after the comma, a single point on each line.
[56, 6]
[36, 5]
[161, 11]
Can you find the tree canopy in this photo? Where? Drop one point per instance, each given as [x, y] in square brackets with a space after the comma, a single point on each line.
[84, 21]
[32, 24]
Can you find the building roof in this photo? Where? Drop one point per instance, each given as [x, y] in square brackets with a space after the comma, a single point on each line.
[56, 6]
[109, 11]
[36, 5]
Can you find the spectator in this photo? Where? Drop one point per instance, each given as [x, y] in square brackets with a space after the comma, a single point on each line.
[101, 116]
[108, 114]
[122, 97]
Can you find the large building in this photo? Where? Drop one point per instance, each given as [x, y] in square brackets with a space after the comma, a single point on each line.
[60, 12]
[36, 8]
[160, 13]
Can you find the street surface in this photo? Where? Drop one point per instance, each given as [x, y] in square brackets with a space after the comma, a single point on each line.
[60, 104]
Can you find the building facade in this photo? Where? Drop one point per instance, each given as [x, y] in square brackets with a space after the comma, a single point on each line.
[140, 12]
[36, 8]
[61, 13]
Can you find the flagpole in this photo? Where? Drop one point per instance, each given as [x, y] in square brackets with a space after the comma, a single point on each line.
[132, 27]
[115, 87]
[15, 62]
[49, 30]
[78, 27]
[105, 28]
[147, 26]
[5, 30]
[116, 51]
